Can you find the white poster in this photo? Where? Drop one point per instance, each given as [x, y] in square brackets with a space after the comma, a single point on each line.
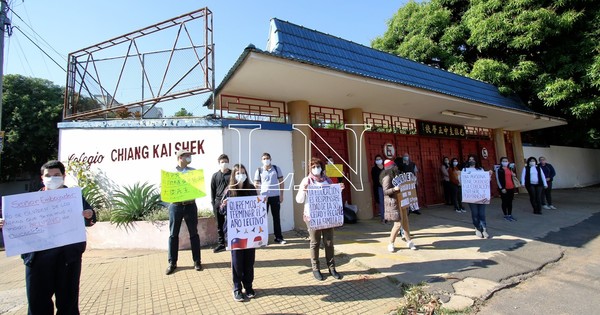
[247, 224]
[42, 220]
[408, 190]
[325, 206]
[475, 186]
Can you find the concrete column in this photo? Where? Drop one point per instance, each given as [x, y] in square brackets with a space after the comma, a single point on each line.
[498, 136]
[299, 113]
[519, 155]
[363, 199]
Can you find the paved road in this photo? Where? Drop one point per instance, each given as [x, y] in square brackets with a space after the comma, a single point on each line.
[569, 286]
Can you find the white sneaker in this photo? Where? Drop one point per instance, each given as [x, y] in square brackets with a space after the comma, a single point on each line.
[478, 234]
[411, 245]
[485, 233]
[390, 247]
[552, 207]
[458, 211]
[463, 210]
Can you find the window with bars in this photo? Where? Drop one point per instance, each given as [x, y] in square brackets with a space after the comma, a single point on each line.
[326, 117]
[245, 108]
[390, 123]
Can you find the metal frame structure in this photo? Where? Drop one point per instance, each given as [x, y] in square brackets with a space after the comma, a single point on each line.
[82, 70]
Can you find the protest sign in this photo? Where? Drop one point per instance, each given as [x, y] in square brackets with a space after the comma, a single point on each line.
[475, 186]
[178, 186]
[325, 206]
[42, 220]
[247, 224]
[334, 170]
[408, 190]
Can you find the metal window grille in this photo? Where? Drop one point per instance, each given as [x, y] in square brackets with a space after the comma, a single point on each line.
[326, 117]
[390, 123]
[246, 108]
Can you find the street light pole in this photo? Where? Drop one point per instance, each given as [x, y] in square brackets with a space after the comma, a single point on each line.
[3, 22]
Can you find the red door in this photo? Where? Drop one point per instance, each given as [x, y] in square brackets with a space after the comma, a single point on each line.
[375, 143]
[332, 142]
[431, 160]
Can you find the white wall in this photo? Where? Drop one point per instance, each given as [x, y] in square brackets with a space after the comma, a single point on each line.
[249, 151]
[158, 146]
[575, 167]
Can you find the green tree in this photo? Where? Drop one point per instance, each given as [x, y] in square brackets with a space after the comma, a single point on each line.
[31, 109]
[183, 113]
[545, 51]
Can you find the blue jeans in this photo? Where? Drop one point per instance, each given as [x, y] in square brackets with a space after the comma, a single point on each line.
[189, 213]
[478, 216]
[381, 206]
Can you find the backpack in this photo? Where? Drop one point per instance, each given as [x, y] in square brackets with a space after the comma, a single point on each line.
[260, 169]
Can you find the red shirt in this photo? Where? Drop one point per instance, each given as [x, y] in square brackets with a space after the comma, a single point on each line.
[508, 178]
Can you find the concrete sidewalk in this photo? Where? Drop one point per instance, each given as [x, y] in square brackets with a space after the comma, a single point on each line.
[456, 266]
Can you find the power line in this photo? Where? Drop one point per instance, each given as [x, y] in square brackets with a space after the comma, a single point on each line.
[38, 35]
[40, 48]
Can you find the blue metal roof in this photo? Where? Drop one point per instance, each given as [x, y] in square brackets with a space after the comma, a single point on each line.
[299, 43]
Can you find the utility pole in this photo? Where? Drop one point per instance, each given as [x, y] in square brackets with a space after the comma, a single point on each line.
[4, 21]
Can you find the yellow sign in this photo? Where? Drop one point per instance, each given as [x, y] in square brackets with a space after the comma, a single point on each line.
[334, 170]
[177, 186]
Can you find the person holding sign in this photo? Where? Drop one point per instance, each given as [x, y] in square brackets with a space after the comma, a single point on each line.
[535, 181]
[472, 181]
[268, 179]
[55, 271]
[179, 211]
[393, 210]
[242, 257]
[317, 179]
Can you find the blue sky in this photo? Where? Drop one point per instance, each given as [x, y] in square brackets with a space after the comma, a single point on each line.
[70, 25]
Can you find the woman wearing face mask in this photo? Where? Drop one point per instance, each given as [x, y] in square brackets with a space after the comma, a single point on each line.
[377, 190]
[534, 180]
[393, 211]
[477, 210]
[316, 176]
[242, 260]
[446, 180]
[506, 186]
[455, 188]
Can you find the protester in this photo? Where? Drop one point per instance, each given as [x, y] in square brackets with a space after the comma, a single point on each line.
[218, 184]
[377, 190]
[393, 211]
[446, 181]
[179, 211]
[504, 178]
[405, 165]
[268, 179]
[534, 180]
[477, 210]
[242, 260]
[456, 191]
[549, 171]
[55, 271]
[316, 176]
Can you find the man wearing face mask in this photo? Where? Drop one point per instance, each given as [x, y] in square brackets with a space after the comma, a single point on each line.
[179, 211]
[405, 165]
[218, 184]
[268, 180]
[55, 271]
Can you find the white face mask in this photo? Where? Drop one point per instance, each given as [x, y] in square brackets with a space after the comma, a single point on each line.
[53, 182]
[240, 178]
[378, 162]
[316, 171]
[224, 165]
[188, 160]
[504, 164]
[266, 162]
[454, 163]
[532, 164]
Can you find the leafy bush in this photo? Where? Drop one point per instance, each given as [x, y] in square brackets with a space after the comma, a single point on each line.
[133, 203]
[90, 189]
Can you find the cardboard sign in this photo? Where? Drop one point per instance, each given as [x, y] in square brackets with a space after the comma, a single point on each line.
[177, 186]
[475, 186]
[325, 206]
[42, 220]
[408, 190]
[334, 170]
[247, 223]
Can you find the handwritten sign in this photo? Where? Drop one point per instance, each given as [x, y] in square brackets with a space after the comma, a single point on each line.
[177, 186]
[325, 206]
[475, 186]
[247, 224]
[42, 220]
[334, 170]
[408, 190]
